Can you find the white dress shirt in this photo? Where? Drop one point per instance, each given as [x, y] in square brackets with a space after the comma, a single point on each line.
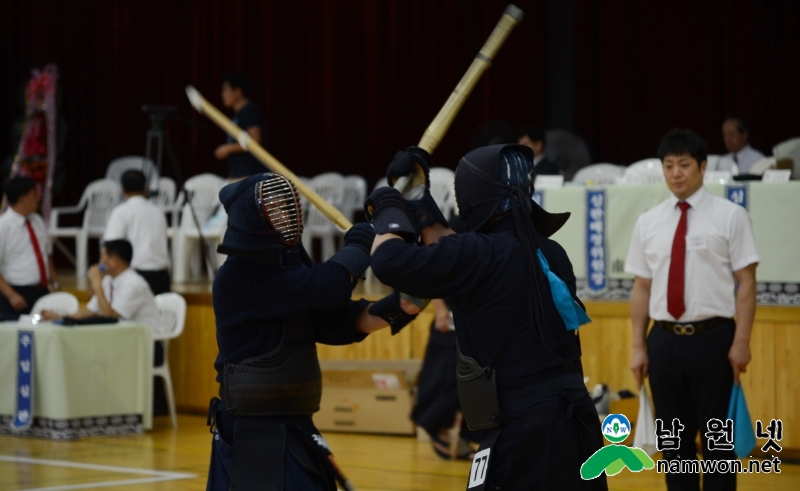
[719, 241]
[130, 297]
[18, 264]
[144, 225]
[745, 158]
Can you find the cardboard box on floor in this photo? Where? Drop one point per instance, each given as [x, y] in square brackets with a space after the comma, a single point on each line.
[365, 401]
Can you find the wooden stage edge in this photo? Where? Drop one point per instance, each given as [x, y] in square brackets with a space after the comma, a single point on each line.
[771, 384]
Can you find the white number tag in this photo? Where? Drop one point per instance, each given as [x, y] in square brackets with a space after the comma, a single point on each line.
[480, 463]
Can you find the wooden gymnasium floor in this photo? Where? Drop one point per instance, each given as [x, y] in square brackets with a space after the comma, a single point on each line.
[167, 459]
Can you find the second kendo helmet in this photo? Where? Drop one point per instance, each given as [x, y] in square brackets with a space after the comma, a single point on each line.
[264, 218]
[485, 181]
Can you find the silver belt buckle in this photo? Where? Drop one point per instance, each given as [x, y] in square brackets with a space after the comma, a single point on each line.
[684, 330]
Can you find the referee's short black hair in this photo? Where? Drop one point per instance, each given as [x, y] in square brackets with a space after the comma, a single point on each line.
[239, 80]
[682, 142]
[133, 181]
[120, 248]
[17, 187]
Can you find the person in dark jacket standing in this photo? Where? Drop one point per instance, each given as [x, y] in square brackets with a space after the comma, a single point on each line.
[272, 304]
[519, 373]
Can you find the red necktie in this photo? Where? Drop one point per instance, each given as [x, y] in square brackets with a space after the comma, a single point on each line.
[677, 267]
[38, 252]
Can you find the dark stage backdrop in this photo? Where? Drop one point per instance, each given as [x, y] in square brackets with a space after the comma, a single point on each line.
[645, 67]
[346, 84]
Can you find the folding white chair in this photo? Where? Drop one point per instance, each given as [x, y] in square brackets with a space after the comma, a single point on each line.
[599, 174]
[204, 194]
[62, 303]
[647, 171]
[330, 186]
[96, 203]
[172, 311]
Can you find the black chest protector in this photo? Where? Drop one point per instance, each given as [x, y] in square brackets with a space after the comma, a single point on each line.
[287, 381]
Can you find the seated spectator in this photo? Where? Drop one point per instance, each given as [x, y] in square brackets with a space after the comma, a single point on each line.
[736, 136]
[118, 291]
[533, 137]
[26, 262]
[144, 225]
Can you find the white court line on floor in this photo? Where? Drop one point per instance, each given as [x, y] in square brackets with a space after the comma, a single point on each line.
[155, 476]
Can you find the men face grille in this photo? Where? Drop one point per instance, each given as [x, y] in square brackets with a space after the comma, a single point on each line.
[279, 205]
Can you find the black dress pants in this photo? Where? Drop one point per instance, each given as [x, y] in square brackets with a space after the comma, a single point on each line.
[158, 280]
[691, 379]
[30, 293]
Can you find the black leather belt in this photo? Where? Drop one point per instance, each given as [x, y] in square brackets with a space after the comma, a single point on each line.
[692, 328]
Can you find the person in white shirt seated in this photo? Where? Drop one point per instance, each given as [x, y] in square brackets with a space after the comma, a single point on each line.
[26, 261]
[736, 136]
[118, 291]
[141, 222]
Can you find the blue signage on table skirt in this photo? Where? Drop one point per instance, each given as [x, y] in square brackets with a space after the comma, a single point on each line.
[596, 272]
[737, 194]
[23, 412]
[538, 197]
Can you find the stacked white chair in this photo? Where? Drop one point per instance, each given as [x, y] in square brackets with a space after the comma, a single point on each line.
[204, 194]
[117, 167]
[166, 200]
[61, 303]
[647, 171]
[96, 203]
[303, 201]
[354, 195]
[382, 183]
[330, 186]
[443, 189]
[172, 312]
[599, 174]
[789, 149]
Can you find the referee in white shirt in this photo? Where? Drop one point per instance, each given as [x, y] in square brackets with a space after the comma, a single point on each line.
[737, 136]
[144, 225]
[117, 290]
[695, 258]
[26, 263]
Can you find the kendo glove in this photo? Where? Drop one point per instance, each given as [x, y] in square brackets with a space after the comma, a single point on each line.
[388, 308]
[387, 211]
[355, 255]
[415, 163]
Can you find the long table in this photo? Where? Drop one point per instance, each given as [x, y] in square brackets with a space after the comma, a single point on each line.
[598, 233]
[87, 380]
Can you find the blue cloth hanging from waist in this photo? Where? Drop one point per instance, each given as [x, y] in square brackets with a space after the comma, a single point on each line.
[571, 313]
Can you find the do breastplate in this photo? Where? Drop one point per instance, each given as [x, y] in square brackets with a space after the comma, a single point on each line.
[287, 381]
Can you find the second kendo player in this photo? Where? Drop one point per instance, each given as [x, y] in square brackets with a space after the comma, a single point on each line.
[519, 373]
[271, 305]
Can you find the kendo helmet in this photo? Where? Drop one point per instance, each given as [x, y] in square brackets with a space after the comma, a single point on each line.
[264, 215]
[487, 177]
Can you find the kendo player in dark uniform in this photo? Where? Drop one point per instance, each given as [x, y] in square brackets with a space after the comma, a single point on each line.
[271, 305]
[513, 299]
